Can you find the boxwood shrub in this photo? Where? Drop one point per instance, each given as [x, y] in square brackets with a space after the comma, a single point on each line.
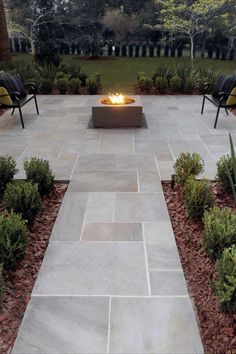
[7, 171]
[23, 198]
[1, 284]
[13, 239]
[187, 165]
[225, 285]
[38, 171]
[224, 163]
[198, 197]
[220, 231]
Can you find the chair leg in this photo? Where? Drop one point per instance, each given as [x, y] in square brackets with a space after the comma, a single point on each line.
[21, 118]
[13, 110]
[203, 104]
[217, 116]
[36, 104]
[226, 111]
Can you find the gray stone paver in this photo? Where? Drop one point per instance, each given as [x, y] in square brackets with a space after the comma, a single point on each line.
[112, 257]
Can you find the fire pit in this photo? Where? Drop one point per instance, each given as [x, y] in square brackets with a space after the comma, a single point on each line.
[117, 111]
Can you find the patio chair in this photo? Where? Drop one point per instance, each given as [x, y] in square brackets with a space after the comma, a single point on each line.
[223, 94]
[18, 94]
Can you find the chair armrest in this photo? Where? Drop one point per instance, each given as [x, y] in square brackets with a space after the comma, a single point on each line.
[14, 94]
[31, 86]
[207, 86]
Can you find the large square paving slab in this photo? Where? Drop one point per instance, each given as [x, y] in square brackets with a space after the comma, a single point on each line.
[92, 268]
[56, 325]
[154, 326]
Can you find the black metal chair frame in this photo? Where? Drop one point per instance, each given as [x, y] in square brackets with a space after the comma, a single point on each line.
[218, 102]
[19, 102]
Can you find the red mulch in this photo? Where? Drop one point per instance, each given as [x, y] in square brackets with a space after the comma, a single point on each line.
[218, 329]
[18, 283]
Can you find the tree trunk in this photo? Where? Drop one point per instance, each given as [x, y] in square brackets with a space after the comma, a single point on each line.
[192, 49]
[5, 51]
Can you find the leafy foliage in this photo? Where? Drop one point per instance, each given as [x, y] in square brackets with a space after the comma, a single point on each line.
[13, 239]
[62, 85]
[1, 284]
[161, 84]
[223, 166]
[75, 85]
[175, 83]
[220, 231]
[23, 198]
[187, 165]
[145, 84]
[7, 171]
[38, 171]
[232, 178]
[198, 197]
[225, 285]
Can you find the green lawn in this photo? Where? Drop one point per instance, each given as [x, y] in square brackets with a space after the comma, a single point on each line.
[120, 74]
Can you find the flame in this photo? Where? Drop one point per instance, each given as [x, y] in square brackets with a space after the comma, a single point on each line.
[117, 99]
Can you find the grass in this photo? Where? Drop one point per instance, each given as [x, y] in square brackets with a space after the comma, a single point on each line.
[120, 74]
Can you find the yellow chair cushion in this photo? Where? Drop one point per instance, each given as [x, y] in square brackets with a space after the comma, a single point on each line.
[232, 99]
[6, 100]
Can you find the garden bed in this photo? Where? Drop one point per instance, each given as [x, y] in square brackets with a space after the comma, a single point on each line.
[218, 329]
[19, 282]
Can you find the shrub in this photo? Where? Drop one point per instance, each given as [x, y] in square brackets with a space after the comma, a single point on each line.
[110, 50]
[206, 74]
[175, 83]
[23, 198]
[220, 231]
[144, 51]
[7, 171]
[62, 85]
[13, 239]
[73, 70]
[190, 85]
[222, 175]
[161, 84]
[225, 285]
[232, 177]
[151, 51]
[1, 284]
[159, 50]
[198, 197]
[131, 50]
[92, 85]
[145, 83]
[164, 72]
[117, 50]
[74, 85]
[47, 72]
[38, 171]
[61, 75]
[46, 86]
[187, 165]
[124, 50]
[83, 77]
[137, 51]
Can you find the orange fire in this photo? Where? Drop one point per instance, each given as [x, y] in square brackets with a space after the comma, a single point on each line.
[117, 99]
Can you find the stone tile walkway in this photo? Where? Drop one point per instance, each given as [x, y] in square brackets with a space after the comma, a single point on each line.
[111, 281]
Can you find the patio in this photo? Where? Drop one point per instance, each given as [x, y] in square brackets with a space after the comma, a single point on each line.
[111, 280]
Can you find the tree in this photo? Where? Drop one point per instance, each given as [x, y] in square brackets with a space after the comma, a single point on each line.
[189, 17]
[120, 23]
[5, 53]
